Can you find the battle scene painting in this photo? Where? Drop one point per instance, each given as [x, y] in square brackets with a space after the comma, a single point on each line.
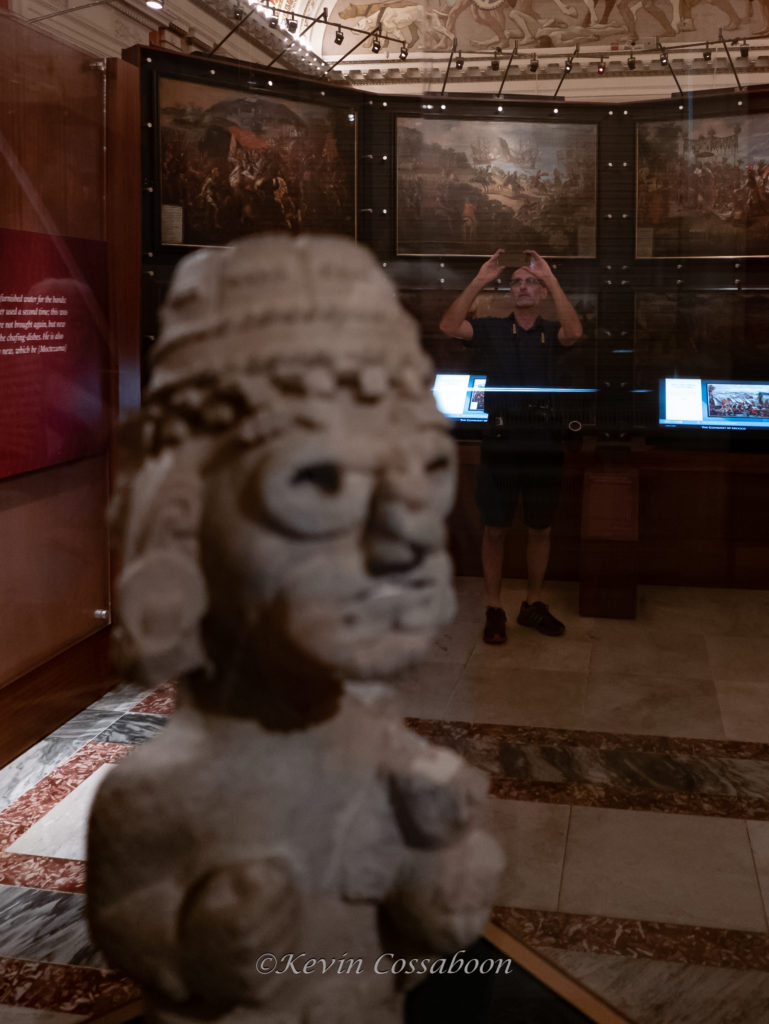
[233, 163]
[703, 187]
[470, 187]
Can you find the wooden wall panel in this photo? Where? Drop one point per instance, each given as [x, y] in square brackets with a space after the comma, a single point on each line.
[52, 121]
[53, 550]
[55, 587]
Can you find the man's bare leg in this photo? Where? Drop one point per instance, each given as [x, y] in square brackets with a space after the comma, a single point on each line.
[492, 556]
[537, 557]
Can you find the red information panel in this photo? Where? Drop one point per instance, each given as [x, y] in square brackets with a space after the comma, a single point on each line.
[53, 350]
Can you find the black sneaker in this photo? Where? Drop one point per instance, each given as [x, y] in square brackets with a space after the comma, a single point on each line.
[537, 615]
[495, 631]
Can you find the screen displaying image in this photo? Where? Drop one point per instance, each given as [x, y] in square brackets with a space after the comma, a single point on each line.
[460, 396]
[714, 404]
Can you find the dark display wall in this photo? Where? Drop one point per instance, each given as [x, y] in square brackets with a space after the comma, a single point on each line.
[647, 313]
[653, 215]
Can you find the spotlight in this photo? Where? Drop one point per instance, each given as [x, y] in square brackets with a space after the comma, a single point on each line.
[663, 58]
[460, 61]
[376, 46]
[237, 12]
[339, 37]
[533, 64]
[601, 67]
[494, 66]
[631, 62]
[567, 66]
[706, 54]
[744, 49]
[273, 22]
[156, 5]
[404, 52]
[291, 25]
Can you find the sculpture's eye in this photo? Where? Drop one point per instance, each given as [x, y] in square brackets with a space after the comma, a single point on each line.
[438, 464]
[310, 487]
[326, 476]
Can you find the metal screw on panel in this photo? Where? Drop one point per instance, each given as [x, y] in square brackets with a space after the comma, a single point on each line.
[101, 613]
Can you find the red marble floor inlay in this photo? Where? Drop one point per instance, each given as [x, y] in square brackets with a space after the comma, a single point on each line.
[42, 798]
[161, 701]
[68, 989]
[36, 872]
[654, 940]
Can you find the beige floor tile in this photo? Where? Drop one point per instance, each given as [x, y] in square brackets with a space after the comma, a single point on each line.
[661, 867]
[628, 647]
[533, 837]
[656, 705]
[739, 659]
[718, 611]
[515, 696]
[454, 643]
[758, 831]
[526, 648]
[424, 690]
[745, 709]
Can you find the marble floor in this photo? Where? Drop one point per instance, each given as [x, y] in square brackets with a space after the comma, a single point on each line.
[629, 780]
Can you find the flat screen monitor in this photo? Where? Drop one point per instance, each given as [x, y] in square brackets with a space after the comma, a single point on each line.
[460, 396]
[696, 403]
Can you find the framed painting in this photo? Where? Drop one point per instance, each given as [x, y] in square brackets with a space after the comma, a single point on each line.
[233, 162]
[702, 187]
[466, 188]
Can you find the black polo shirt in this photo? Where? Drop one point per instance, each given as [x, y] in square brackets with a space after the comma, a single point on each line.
[511, 356]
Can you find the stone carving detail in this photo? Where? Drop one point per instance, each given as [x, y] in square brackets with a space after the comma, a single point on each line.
[283, 549]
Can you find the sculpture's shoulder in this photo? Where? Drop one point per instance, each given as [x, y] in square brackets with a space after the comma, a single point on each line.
[436, 795]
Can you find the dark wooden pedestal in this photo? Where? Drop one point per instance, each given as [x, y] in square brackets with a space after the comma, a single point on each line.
[609, 550]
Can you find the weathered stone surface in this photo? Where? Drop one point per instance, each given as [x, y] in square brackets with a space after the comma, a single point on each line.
[272, 853]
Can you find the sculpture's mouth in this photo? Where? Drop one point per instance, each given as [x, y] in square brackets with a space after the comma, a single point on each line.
[413, 601]
[375, 625]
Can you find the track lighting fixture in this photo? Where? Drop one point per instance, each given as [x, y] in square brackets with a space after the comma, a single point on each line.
[273, 22]
[533, 64]
[339, 37]
[601, 67]
[744, 49]
[460, 61]
[568, 65]
[706, 54]
[376, 46]
[631, 62]
[404, 52]
[494, 66]
[663, 58]
[291, 25]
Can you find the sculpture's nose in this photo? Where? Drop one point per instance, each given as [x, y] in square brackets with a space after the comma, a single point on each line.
[402, 526]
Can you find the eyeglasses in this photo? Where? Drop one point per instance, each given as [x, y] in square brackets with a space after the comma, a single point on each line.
[531, 281]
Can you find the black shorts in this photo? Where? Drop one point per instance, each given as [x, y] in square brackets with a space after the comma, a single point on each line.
[505, 474]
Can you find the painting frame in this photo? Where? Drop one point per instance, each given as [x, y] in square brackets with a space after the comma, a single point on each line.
[233, 158]
[488, 189]
[702, 187]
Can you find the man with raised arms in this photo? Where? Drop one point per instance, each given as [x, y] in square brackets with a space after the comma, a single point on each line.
[522, 454]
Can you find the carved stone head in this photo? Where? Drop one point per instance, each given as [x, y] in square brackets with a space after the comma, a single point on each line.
[290, 505]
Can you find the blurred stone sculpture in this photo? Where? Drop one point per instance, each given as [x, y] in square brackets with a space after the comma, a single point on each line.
[283, 547]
